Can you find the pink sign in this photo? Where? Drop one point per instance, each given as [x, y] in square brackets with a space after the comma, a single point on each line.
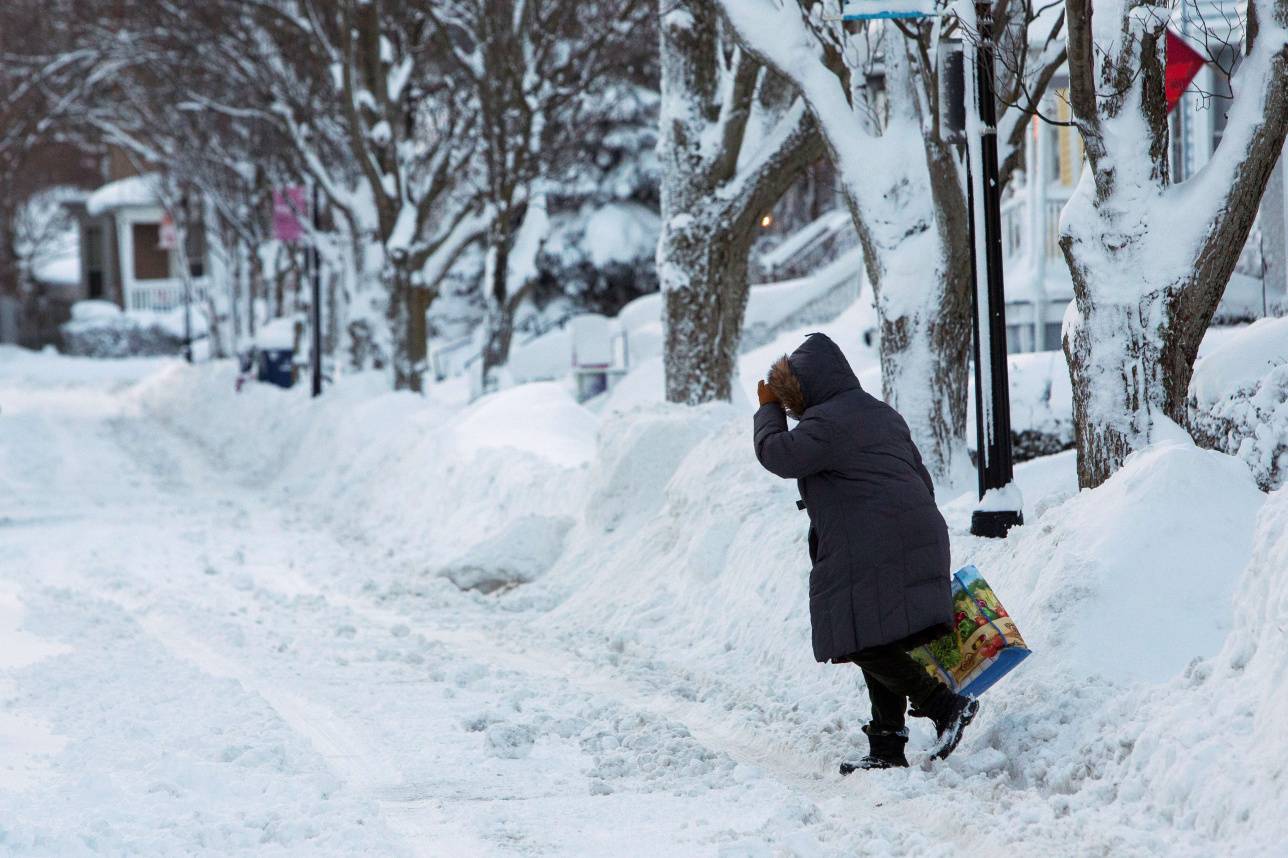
[288, 208]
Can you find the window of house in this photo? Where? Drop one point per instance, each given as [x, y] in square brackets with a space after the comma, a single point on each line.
[150, 261]
[1052, 336]
[1015, 339]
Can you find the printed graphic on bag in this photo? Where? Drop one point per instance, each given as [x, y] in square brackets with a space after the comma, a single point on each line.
[985, 643]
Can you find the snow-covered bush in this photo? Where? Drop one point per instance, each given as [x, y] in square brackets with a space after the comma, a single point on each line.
[600, 256]
[1238, 401]
[100, 329]
[1251, 423]
[1041, 406]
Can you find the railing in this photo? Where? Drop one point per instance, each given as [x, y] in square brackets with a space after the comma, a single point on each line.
[161, 295]
[1015, 213]
[1055, 204]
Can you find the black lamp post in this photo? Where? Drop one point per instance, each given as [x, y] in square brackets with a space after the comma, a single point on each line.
[1000, 503]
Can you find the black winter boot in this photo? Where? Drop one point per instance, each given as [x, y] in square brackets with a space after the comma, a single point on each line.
[950, 713]
[885, 751]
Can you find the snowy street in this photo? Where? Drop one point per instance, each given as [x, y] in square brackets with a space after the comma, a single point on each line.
[210, 682]
[197, 661]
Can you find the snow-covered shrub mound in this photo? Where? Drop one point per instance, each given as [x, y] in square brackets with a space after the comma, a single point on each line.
[100, 329]
[1238, 400]
[542, 419]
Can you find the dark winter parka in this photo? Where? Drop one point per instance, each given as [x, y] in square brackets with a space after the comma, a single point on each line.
[877, 541]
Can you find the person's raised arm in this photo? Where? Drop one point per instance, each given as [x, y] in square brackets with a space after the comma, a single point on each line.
[791, 454]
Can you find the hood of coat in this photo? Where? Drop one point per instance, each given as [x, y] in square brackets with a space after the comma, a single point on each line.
[821, 367]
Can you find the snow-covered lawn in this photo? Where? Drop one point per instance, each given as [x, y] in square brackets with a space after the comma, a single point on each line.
[229, 625]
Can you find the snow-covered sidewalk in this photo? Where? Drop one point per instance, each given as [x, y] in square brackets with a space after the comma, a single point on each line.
[218, 636]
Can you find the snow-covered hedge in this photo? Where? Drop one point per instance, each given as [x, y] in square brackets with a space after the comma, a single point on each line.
[1238, 400]
[100, 329]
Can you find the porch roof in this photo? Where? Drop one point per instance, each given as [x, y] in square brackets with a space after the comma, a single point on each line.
[124, 193]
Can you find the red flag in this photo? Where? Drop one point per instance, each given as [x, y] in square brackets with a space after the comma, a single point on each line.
[1183, 63]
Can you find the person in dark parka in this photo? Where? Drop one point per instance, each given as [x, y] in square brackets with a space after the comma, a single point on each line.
[879, 546]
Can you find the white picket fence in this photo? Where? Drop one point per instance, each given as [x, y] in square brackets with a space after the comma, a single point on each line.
[162, 295]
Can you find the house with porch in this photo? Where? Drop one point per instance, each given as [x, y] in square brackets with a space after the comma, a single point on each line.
[129, 252]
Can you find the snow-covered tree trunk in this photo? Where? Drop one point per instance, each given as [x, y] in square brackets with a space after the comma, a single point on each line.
[1151, 260]
[407, 306]
[704, 283]
[733, 138]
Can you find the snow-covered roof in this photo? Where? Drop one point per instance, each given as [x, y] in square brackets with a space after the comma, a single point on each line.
[131, 191]
[60, 271]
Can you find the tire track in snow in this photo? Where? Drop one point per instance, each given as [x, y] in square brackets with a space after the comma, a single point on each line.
[419, 822]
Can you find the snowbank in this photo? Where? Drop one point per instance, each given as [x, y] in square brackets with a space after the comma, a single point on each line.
[426, 481]
[1209, 751]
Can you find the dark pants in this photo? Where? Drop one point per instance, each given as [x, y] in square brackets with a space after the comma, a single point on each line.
[893, 679]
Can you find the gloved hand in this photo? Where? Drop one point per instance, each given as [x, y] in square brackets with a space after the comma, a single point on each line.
[764, 394]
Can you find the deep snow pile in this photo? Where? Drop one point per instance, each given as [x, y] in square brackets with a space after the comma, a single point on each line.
[649, 542]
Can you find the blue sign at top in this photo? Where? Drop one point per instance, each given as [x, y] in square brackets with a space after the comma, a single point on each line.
[870, 10]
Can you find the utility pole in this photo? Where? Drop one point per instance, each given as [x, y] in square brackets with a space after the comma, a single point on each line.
[1001, 505]
[316, 312]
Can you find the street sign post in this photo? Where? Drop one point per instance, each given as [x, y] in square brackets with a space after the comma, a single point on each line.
[167, 233]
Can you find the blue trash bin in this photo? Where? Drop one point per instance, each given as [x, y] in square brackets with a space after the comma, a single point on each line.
[276, 366]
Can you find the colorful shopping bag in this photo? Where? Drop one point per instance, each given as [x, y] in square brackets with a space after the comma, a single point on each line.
[984, 644]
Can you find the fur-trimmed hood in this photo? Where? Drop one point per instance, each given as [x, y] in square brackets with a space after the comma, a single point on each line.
[814, 373]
